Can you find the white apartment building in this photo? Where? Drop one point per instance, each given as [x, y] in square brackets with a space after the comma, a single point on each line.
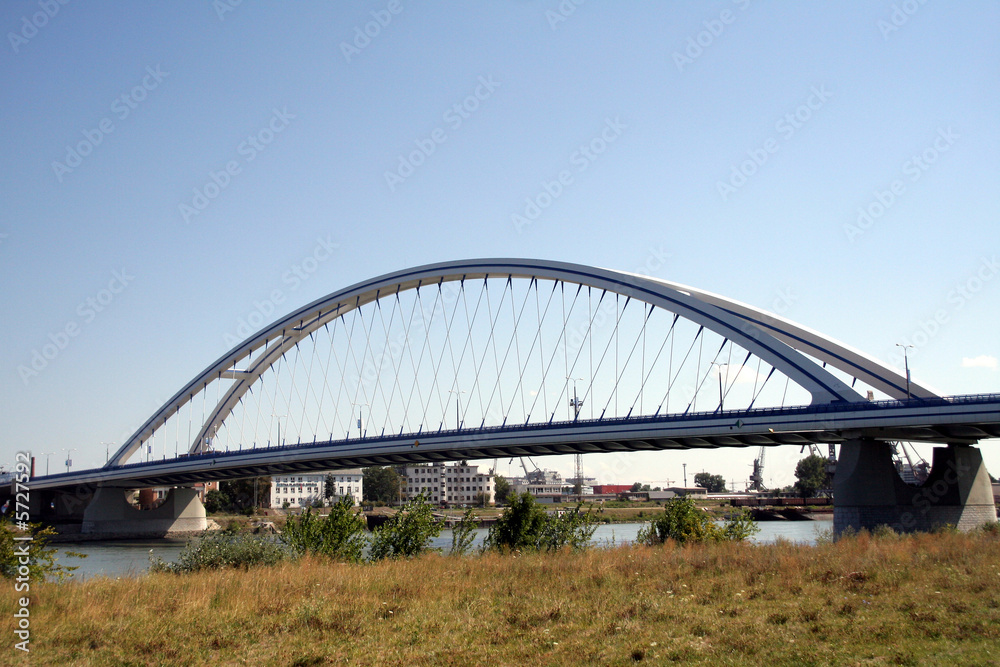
[441, 484]
[303, 490]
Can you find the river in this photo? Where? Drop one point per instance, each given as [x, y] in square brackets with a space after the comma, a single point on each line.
[131, 557]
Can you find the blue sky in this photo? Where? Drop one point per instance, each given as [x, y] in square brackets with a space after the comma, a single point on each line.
[748, 139]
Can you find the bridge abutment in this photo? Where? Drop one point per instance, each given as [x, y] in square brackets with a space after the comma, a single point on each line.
[868, 491]
[109, 513]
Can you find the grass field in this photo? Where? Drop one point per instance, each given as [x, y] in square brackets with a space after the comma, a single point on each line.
[931, 599]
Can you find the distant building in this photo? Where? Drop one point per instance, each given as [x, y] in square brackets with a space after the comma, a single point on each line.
[545, 485]
[458, 484]
[307, 489]
[611, 489]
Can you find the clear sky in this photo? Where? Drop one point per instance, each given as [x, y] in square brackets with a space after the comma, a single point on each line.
[168, 167]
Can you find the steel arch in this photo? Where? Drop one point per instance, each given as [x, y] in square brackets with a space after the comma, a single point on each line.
[777, 341]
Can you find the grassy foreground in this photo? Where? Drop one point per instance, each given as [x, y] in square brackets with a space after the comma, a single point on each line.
[925, 599]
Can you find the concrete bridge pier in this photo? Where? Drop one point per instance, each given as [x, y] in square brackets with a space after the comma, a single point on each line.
[868, 492]
[110, 514]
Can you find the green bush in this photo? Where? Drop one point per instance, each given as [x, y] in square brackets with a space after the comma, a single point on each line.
[41, 558]
[463, 535]
[683, 522]
[526, 526]
[407, 533]
[223, 550]
[340, 535]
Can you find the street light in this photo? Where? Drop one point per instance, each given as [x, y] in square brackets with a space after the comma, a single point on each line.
[280, 417]
[47, 455]
[906, 363]
[575, 403]
[361, 432]
[107, 451]
[69, 459]
[458, 401]
[720, 365]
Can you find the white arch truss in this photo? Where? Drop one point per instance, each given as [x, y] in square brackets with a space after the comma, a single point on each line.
[779, 342]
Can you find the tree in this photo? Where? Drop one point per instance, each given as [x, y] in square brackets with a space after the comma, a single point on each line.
[407, 533]
[683, 522]
[329, 486]
[526, 526]
[712, 483]
[501, 489]
[811, 475]
[241, 493]
[340, 536]
[39, 560]
[216, 501]
[381, 484]
[638, 487]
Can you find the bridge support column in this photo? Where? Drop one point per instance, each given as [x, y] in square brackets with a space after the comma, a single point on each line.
[109, 513]
[867, 491]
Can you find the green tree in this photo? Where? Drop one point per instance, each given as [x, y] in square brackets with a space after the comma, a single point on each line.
[41, 558]
[712, 483]
[407, 533]
[381, 484]
[682, 522]
[810, 474]
[216, 501]
[463, 534]
[242, 492]
[329, 486]
[501, 489]
[525, 526]
[340, 535]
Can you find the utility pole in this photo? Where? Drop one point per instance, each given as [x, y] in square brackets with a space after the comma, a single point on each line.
[906, 364]
[685, 474]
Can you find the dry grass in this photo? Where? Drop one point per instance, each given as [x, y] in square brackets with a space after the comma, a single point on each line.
[926, 599]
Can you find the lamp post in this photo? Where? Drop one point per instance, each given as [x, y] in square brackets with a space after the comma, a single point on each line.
[575, 403]
[458, 402]
[720, 365]
[69, 459]
[361, 432]
[47, 455]
[279, 418]
[906, 364]
[107, 451]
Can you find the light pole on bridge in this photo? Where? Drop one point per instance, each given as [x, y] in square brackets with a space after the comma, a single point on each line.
[720, 365]
[69, 459]
[458, 403]
[576, 403]
[906, 364]
[361, 431]
[279, 418]
[107, 451]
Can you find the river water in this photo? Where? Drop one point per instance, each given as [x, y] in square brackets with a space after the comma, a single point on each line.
[131, 557]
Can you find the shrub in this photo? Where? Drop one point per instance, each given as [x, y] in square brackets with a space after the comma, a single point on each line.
[526, 526]
[407, 533]
[42, 562]
[683, 522]
[223, 550]
[340, 535]
[462, 535]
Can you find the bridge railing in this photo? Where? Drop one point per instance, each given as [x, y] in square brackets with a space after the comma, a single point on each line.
[828, 408]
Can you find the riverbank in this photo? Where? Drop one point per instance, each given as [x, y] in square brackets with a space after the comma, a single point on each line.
[891, 600]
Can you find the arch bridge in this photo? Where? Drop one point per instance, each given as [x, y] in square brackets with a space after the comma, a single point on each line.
[504, 357]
